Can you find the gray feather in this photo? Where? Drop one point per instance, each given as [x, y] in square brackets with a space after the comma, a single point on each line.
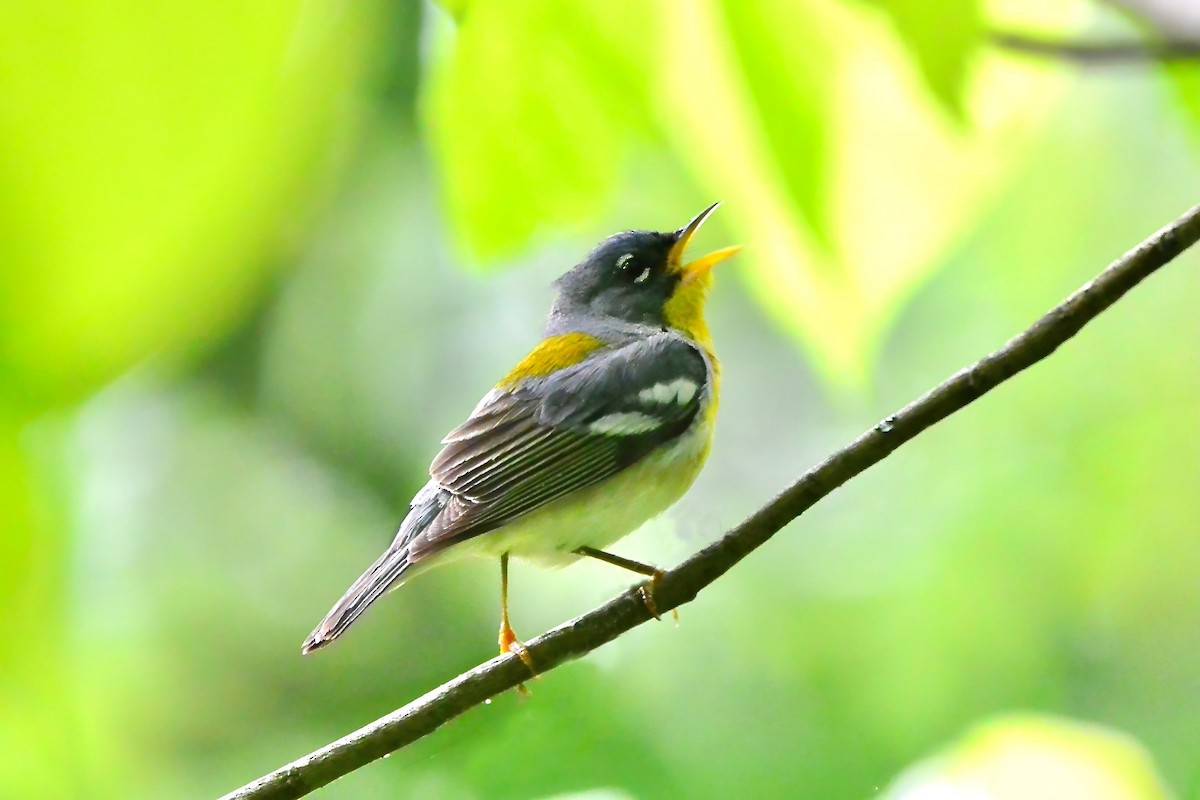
[384, 573]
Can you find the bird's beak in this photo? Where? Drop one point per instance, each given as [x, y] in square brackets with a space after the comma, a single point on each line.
[701, 266]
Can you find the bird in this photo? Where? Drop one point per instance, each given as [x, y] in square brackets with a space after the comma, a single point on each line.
[602, 426]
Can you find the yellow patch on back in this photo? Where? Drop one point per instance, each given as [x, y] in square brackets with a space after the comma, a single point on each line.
[551, 355]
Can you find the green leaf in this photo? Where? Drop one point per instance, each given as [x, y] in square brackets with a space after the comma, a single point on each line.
[1027, 757]
[455, 8]
[942, 38]
[785, 61]
[148, 154]
[531, 109]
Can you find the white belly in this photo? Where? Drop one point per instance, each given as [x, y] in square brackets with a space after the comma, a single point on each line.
[600, 514]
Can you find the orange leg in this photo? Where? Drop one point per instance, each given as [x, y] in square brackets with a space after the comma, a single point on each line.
[509, 642]
[646, 589]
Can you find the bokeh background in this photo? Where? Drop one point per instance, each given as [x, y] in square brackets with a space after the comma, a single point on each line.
[255, 258]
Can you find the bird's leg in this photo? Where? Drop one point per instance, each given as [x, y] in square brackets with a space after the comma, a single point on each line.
[647, 589]
[508, 640]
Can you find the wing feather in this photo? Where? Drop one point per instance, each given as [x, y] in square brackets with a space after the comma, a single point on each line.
[533, 443]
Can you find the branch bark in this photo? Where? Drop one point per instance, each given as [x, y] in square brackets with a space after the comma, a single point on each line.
[1099, 53]
[681, 585]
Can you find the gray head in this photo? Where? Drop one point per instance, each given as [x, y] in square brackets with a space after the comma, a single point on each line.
[626, 276]
[631, 276]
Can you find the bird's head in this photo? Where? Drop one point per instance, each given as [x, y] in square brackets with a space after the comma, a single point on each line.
[641, 277]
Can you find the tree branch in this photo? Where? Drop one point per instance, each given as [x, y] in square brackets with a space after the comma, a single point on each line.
[1099, 53]
[681, 585]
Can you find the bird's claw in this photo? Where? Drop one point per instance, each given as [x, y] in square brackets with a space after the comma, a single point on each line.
[646, 590]
[509, 643]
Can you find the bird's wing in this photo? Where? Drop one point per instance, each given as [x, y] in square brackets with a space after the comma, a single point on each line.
[549, 436]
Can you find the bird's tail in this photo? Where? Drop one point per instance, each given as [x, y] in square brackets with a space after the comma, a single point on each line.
[381, 575]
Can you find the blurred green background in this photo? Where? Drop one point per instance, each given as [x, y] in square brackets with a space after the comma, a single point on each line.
[256, 258]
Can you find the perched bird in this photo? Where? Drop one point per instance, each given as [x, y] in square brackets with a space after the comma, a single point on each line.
[604, 425]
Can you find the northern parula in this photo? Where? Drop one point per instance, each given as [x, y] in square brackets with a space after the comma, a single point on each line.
[604, 425]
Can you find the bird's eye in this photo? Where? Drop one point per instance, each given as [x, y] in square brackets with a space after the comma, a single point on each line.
[628, 265]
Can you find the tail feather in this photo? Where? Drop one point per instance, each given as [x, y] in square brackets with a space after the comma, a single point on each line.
[378, 578]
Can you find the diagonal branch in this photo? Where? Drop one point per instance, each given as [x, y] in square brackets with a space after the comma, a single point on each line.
[681, 585]
[1099, 52]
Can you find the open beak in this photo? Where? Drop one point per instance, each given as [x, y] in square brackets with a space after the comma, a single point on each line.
[700, 267]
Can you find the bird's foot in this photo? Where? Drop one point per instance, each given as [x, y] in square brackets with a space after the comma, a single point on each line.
[646, 590]
[509, 643]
